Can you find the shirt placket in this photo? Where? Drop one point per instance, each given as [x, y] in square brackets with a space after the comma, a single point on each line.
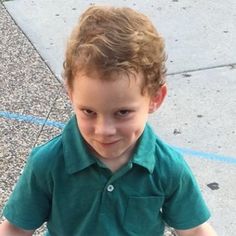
[111, 187]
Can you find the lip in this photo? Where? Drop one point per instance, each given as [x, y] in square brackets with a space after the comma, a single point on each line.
[106, 144]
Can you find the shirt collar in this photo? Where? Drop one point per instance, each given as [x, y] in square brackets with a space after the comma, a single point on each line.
[77, 155]
[76, 152]
[144, 154]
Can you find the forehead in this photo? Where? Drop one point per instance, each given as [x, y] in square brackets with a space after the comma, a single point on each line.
[117, 78]
[120, 88]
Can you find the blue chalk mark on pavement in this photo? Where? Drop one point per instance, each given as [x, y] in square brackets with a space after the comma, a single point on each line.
[60, 125]
[31, 119]
[209, 156]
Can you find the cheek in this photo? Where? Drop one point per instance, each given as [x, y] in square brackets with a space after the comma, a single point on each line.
[85, 127]
[132, 131]
[138, 132]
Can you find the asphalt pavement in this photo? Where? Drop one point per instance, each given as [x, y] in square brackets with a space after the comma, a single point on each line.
[198, 116]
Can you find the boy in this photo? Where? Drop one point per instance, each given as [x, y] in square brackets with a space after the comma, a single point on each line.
[107, 173]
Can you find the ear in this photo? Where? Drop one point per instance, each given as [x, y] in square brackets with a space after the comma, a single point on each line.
[157, 99]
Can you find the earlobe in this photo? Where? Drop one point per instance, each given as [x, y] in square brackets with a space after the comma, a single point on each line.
[158, 99]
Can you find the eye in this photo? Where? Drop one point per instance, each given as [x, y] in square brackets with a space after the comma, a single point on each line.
[123, 113]
[88, 112]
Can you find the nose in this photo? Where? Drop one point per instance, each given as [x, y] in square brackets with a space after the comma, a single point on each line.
[105, 127]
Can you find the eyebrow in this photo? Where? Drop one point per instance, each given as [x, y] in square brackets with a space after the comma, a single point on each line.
[128, 107]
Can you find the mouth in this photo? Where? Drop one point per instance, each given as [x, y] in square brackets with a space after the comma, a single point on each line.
[107, 144]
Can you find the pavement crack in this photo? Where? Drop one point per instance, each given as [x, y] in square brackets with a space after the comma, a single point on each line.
[45, 121]
[231, 66]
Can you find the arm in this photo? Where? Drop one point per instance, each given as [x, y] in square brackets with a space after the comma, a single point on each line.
[201, 230]
[7, 229]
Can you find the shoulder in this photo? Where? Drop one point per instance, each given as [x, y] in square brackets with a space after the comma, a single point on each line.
[44, 157]
[170, 166]
[167, 156]
[50, 147]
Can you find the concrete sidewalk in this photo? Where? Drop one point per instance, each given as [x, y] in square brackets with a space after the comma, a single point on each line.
[198, 117]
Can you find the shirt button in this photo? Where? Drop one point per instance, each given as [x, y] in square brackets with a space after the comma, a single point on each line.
[110, 188]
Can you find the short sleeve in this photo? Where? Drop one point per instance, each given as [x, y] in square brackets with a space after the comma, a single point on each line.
[185, 207]
[29, 205]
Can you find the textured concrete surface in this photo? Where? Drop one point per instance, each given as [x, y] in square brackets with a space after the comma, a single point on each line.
[61, 111]
[199, 113]
[15, 142]
[27, 86]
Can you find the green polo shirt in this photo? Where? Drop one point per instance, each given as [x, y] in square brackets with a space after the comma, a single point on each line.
[64, 185]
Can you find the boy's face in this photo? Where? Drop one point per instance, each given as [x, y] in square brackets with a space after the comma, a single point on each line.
[111, 115]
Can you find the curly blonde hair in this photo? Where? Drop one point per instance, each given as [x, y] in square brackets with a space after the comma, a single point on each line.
[116, 40]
